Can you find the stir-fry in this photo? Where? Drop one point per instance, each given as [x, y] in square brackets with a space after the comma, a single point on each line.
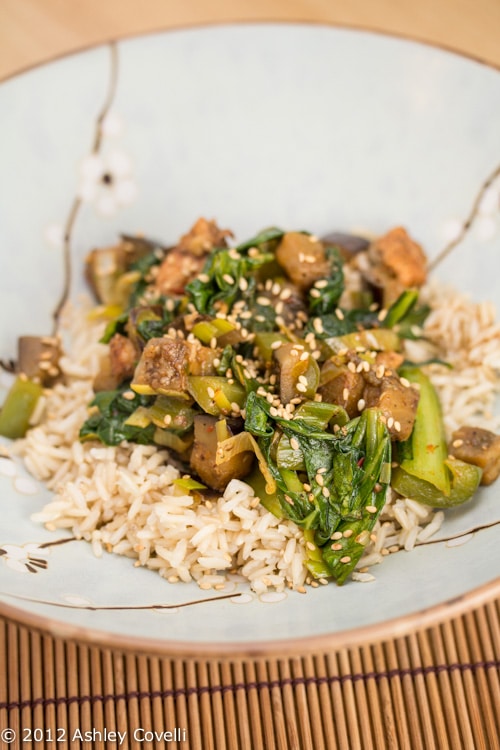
[260, 362]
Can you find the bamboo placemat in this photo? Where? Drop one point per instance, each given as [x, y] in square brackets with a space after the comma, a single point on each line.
[435, 688]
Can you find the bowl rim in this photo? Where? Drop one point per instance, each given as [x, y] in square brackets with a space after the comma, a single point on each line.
[386, 630]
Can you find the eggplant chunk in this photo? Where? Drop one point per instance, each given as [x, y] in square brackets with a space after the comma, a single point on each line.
[162, 368]
[349, 245]
[204, 456]
[303, 259]
[479, 447]
[344, 387]
[123, 357]
[397, 402]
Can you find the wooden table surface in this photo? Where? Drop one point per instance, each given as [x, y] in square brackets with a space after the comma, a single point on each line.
[34, 31]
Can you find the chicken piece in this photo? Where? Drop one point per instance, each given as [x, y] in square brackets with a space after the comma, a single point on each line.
[394, 262]
[203, 237]
[479, 447]
[341, 386]
[185, 261]
[303, 259]
[162, 368]
[204, 456]
[397, 402]
[389, 359]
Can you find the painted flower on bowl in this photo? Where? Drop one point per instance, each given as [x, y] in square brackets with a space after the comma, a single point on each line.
[106, 181]
[25, 558]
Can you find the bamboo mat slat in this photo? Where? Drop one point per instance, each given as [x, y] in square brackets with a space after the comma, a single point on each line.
[437, 688]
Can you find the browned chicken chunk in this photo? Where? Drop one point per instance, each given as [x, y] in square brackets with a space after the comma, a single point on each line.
[185, 261]
[394, 262]
[479, 447]
[303, 259]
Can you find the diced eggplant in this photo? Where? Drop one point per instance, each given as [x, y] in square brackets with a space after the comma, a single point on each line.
[303, 259]
[396, 401]
[38, 358]
[204, 456]
[479, 447]
[349, 245]
[341, 386]
[162, 368]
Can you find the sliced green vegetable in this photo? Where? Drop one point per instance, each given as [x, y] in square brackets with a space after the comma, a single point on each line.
[18, 407]
[216, 394]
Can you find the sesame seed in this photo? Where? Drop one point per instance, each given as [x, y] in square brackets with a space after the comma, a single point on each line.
[167, 419]
[405, 382]
[243, 284]
[348, 533]
[228, 278]
[361, 404]
[210, 392]
[382, 315]
[351, 366]
[213, 342]
[457, 443]
[379, 372]
[309, 259]
[323, 581]
[319, 479]
[390, 422]
[286, 294]
[307, 487]
[345, 394]
[235, 407]
[294, 444]
[303, 379]
[301, 387]
[304, 356]
[129, 395]
[321, 284]
[263, 301]
[337, 535]
[216, 362]
[310, 545]
[316, 354]
[397, 425]
[325, 492]
[339, 313]
[315, 293]
[345, 559]
[276, 344]
[336, 547]
[371, 509]
[318, 325]
[276, 288]
[273, 411]
[204, 278]
[289, 500]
